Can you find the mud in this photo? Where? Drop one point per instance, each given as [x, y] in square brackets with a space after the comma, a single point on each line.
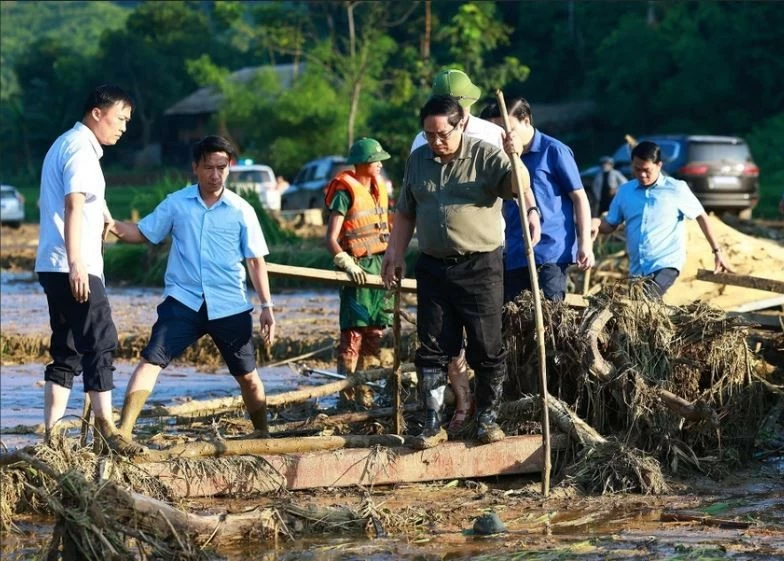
[739, 517]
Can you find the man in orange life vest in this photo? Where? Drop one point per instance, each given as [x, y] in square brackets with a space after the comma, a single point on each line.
[357, 235]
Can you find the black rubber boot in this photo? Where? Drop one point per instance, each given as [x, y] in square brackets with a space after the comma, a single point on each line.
[432, 385]
[487, 428]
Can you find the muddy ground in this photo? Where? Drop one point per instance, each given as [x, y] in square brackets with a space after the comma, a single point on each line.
[740, 516]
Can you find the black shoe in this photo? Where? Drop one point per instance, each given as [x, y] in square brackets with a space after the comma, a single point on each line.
[488, 430]
[432, 434]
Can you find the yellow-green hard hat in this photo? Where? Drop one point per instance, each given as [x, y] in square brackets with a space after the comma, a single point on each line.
[365, 151]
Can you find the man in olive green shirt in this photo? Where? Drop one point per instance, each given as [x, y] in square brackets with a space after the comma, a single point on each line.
[451, 193]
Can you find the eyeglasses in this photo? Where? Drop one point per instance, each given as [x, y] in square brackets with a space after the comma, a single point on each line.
[432, 136]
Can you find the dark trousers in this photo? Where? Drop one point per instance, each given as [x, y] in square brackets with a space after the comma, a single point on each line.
[456, 294]
[83, 334]
[551, 277]
[659, 282]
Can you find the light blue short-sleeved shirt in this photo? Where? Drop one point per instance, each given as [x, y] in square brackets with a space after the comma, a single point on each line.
[208, 247]
[654, 216]
[72, 165]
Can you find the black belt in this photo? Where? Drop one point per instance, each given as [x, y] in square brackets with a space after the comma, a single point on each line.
[454, 259]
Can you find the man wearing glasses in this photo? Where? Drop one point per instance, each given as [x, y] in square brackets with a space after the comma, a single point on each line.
[450, 193]
[457, 84]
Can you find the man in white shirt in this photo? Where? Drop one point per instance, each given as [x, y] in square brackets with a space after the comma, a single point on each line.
[69, 262]
[458, 85]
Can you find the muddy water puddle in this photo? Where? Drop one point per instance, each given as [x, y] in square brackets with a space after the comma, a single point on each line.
[24, 309]
[21, 392]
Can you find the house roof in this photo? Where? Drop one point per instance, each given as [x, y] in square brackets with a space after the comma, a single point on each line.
[208, 100]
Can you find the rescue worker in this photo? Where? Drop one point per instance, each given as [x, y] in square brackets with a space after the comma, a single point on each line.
[357, 236]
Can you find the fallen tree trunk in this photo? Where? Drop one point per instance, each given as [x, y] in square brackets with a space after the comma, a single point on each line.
[268, 446]
[209, 406]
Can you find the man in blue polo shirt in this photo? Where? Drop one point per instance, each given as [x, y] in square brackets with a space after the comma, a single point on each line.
[212, 231]
[654, 207]
[561, 203]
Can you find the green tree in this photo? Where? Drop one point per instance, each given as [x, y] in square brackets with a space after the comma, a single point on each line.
[149, 58]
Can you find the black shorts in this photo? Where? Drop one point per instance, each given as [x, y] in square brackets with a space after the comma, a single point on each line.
[178, 327]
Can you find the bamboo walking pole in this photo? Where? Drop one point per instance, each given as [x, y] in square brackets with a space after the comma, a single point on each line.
[397, 419]
[529, 250]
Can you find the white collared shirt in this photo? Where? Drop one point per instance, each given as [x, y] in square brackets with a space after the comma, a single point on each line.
[72, 165]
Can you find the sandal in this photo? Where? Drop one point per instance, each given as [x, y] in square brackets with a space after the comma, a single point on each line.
[459, 418]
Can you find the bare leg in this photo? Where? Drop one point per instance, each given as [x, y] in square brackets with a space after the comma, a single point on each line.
[458, 377]
[55, 404]
[255, 399]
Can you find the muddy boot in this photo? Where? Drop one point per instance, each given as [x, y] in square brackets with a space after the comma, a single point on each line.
[487, 428]
[54, 438]
[259, 420]
[132, 406]
[489, 392]
[432, 385]
[103, 430]
[432, 434]
[124, 446]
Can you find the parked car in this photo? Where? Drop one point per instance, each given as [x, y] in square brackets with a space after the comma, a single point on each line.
[719, 169]
[308, 187]
[257, 178]
[12, 210]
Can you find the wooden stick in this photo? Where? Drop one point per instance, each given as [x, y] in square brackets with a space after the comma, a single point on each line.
[397, 403]
[86, 410]
[529, 249]
[262, 446]
[299, 357]
[746, 281]
[333, 277]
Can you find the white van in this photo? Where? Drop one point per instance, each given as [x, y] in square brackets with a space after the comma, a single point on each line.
[257, 178]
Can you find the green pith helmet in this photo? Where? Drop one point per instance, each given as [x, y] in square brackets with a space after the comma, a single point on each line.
[366, 151]
[457, 84]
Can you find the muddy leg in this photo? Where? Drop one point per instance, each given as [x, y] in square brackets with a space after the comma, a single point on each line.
[348, 357]
[432, 385]
[253, 395]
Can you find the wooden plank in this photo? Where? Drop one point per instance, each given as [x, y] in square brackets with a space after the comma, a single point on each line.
[360, 466]
[343, 279]
[772, 321]
[746, 281]
[760, 304]
[332, 277]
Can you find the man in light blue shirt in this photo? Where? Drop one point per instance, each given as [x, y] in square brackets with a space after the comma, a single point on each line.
[212, 231]
[654, 207]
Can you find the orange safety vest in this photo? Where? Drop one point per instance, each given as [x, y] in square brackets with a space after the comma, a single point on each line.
[365, 228]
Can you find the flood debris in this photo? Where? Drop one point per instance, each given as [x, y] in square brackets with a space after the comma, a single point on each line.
[668, 388]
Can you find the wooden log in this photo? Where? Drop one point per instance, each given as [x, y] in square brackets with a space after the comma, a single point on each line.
[332, 277]
[746, 281]
[768, 321]
[262, 446]
[357, 466]
[324, 421]
[210, 406]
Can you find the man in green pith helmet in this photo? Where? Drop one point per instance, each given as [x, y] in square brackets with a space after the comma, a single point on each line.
[357, 235]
